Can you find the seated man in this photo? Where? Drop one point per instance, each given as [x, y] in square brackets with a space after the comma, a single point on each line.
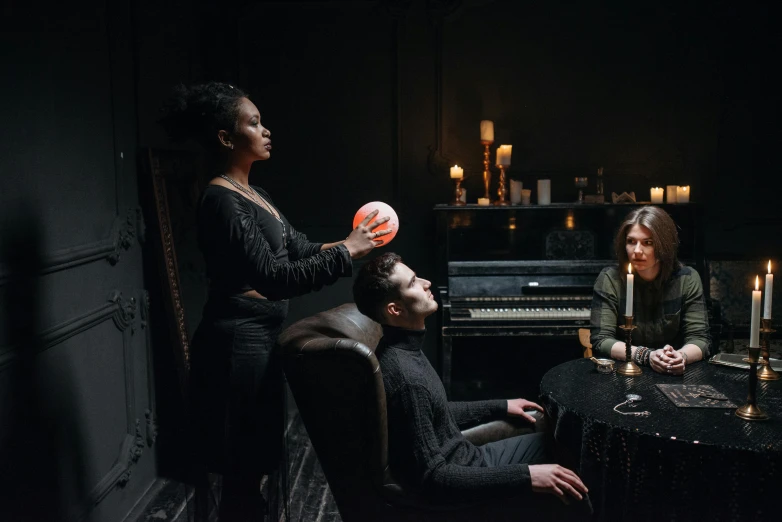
[427, 451]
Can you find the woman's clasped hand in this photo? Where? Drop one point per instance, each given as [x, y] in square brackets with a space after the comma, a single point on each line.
[667, 360]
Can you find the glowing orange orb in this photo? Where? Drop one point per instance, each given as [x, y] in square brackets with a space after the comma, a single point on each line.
[384, 210]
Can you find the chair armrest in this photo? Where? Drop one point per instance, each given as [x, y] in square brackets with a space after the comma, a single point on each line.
[505, 428]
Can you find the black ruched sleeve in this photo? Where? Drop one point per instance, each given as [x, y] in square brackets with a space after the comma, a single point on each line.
[238, 252]
[276, 280]
[299, 247]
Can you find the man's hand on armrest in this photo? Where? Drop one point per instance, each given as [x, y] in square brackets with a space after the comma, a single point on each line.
[516, 408]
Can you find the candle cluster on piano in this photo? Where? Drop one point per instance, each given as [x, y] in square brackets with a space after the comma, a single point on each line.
[673, 194]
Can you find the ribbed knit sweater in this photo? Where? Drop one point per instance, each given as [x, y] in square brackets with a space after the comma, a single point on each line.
[427, 451]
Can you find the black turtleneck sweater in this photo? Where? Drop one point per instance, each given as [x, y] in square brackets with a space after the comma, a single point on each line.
[427, 450]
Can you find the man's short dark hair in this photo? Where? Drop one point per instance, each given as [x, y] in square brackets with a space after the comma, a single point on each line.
[373, 288]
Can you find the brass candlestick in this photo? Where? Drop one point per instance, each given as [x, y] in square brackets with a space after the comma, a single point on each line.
[750, 411]
[486, 171]
[501, 189]
[628, 367]
[457, 194]
[766, 372]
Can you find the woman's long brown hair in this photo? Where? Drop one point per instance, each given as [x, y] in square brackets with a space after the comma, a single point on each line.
[665, 239]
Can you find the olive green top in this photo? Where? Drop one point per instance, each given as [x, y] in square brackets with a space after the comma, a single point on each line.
[671, 313]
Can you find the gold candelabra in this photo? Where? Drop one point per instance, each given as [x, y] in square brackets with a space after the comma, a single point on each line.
[750, 411]
[501, 188]
[486, 171]
[457, 194]
[628, 368]
[766, 372]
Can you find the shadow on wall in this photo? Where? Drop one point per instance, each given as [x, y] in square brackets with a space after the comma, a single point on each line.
[42, 461]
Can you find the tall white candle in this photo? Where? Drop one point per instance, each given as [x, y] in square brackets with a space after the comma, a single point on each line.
[630, 278]
[683, 194]
[487, 130]
[769, 291]
[657, 195]
[457, 172]
[503, 155]
[754, 324]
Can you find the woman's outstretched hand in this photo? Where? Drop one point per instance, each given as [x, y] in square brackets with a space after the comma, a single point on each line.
[363, 239]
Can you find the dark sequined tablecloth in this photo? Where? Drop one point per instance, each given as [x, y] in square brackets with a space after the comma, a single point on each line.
[677, 464]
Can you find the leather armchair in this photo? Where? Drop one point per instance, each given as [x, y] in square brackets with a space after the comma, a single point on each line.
[336, 381]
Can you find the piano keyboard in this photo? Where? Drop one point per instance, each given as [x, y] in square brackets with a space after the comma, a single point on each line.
[531, 313]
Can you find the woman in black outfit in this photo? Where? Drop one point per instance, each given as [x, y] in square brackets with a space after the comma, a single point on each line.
[255, 262]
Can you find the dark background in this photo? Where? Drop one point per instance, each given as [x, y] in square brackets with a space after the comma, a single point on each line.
[375, 100]
[366, 101]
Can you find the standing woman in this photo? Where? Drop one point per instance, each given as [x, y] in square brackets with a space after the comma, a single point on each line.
[669, 307]
[255, 262]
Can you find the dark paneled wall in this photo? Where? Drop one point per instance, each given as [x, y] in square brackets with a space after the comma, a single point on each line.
[374, 100]
[77, 410]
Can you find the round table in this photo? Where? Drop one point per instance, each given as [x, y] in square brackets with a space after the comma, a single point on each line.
[679, 463]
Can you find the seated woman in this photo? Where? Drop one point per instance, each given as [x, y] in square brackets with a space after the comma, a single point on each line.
[669, 307]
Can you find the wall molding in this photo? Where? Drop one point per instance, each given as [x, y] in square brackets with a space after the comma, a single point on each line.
[125, 229]
[123, 312]
[63, 331]
[150, 413]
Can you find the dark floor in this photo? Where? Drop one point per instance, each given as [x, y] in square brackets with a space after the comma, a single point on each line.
[310, 498]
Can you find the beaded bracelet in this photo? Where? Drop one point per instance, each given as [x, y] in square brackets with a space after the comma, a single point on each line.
[636, 354]
[642, 356]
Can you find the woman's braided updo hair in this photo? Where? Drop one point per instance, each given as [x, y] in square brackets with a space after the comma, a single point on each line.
[198, 112]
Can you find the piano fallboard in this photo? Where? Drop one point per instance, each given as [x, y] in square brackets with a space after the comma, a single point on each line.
[518, 298]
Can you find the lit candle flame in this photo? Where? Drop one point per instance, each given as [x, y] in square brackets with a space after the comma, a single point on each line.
[769, 266]
[629, 268]
[757, 282]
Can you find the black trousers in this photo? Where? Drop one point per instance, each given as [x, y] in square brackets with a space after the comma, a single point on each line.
[535, 448]
[236, 386]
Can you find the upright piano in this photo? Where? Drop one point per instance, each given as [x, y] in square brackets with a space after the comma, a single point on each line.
[528, 271]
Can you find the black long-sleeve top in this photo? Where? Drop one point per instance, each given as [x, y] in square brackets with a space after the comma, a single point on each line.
[427, 450]
[244, 249]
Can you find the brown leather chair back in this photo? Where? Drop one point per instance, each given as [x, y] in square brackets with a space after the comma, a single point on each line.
[335, 378]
